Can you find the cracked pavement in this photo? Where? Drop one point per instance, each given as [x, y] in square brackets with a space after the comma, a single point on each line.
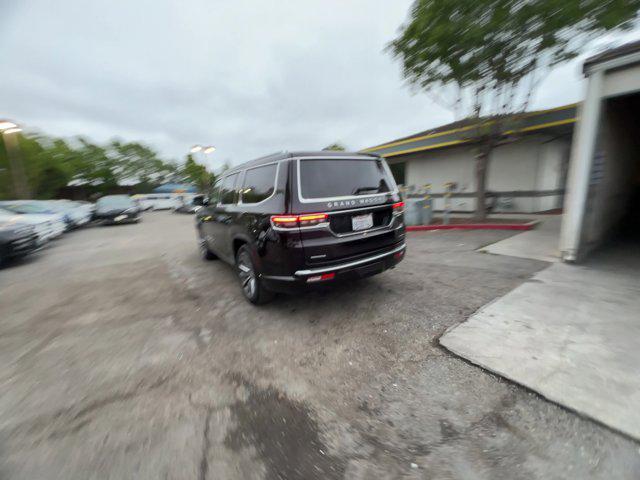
[126, 356]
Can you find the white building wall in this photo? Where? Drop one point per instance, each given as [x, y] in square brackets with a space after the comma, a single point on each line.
[622, 82]
[440, 167]
[514, 167]
[533, 163]
[552, 167]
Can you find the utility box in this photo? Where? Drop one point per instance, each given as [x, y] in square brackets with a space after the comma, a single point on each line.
[414, 211]
[427, 211]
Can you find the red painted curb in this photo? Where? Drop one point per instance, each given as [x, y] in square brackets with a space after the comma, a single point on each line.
[473, 226]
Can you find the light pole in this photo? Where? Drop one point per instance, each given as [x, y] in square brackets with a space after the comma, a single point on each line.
[8, 129]
[205, 151]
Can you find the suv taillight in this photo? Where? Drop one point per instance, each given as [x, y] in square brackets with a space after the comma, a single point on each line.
[295, 221]
[398, 208]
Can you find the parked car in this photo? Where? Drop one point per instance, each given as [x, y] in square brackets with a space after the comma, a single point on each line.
[89, 206]
[16, 240]
[75, 216]
[38, 207]
[292, 221]
[37, 212]
[46, 226]
[157, 201]
[79, 213]
[189, 204]
[113, 209]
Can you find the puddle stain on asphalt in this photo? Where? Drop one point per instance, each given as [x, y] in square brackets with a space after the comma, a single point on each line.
[284, 434]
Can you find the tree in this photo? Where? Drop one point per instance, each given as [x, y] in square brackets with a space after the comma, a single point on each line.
[139, 163]
[337, 146]
[197, 174]
[484, 58]
[52, 163]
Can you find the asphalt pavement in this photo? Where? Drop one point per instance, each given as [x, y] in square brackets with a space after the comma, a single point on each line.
[124, 355]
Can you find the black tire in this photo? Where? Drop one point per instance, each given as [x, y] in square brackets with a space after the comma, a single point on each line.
[205, 253]
[250, 283]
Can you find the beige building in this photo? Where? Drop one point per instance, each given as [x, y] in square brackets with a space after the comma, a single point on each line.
[526, 175]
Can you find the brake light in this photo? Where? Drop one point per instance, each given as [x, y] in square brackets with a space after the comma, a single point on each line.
[312, 219]
[295, 221]
[284, 221]
[398, 208]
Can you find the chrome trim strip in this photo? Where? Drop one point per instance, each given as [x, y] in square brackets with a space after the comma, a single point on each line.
[337, 212]
[278, 277]
[355, 263]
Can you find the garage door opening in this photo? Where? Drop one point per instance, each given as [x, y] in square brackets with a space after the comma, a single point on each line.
[613, 207]
[628, 110]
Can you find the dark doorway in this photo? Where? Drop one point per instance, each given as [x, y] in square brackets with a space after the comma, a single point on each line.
[397, 169]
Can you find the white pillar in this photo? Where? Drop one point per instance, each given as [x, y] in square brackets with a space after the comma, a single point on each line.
[582, 153]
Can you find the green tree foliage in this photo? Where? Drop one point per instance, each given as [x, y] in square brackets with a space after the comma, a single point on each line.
[337, 146]
[493, 46]
[52, 163]
[197, 174]
[485, 57]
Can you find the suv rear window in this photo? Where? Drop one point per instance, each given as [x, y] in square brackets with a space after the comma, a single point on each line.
[330, 178]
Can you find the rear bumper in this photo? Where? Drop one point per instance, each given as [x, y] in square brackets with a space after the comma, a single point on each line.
[353, 270]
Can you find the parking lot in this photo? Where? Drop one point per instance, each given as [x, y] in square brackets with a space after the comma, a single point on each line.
[127, 356]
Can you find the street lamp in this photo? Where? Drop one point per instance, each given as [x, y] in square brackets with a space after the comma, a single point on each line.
[204, 150]
[20, 186]
[207, 151]
[7, 125]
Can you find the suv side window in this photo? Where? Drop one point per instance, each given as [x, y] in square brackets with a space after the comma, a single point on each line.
[228, 192]
[214, 198]
[259, 183]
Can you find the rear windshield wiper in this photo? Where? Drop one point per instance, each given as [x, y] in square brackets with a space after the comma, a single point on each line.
[364, 189]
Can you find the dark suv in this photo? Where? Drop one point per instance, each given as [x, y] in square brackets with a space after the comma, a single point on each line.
[290, 221]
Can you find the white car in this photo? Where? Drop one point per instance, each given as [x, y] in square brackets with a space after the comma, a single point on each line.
[79, 212]
[47, 227]
[30, 207]
[157, 201]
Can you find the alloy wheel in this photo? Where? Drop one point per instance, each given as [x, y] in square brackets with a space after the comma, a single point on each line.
[247, 275]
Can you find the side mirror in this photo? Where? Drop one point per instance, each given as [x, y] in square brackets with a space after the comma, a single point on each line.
[205, 202]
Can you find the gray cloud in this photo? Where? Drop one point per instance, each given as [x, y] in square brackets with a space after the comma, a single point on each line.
[250, 77]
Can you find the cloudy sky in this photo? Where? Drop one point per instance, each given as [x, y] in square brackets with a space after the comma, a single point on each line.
[250, 76]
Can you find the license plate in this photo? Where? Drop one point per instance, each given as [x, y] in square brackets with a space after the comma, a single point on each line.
[120, 217]
[362, 222]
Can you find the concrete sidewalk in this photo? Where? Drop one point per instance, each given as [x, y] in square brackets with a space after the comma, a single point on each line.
[541, 243]
[572, 333]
